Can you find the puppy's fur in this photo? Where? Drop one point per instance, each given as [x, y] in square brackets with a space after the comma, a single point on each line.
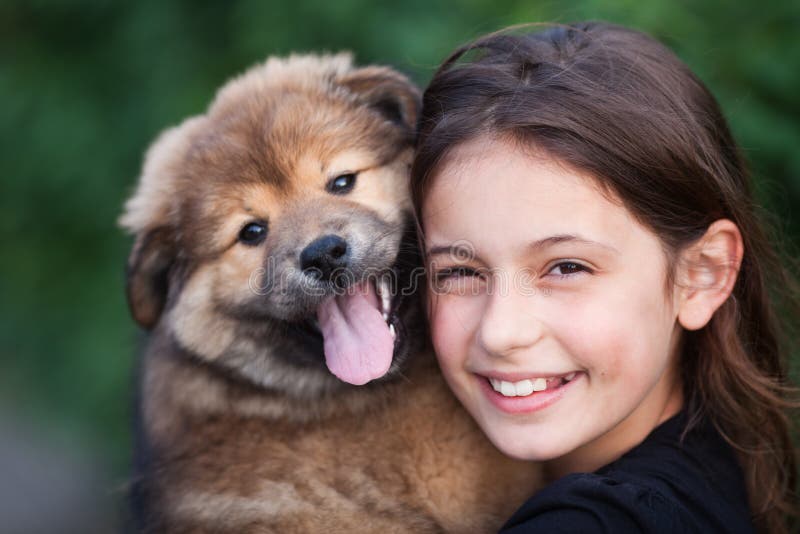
[242, 426]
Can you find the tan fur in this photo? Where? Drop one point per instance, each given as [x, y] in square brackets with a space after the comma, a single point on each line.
[413, 463]
[238, 434]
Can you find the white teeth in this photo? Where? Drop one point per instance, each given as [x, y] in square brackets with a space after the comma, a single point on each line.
[540, 384]
[384, 291]
[523, 388]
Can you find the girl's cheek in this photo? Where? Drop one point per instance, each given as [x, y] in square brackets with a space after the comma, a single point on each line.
[453, 321]
[594, 336]
[439, 323]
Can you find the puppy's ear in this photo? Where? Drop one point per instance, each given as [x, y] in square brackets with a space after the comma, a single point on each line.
[148, 270]
[387, 91]
[150, 215]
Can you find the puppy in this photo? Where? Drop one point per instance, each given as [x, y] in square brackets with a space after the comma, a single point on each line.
[287, 385]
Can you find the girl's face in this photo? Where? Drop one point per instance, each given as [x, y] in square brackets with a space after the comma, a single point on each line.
[549, 309]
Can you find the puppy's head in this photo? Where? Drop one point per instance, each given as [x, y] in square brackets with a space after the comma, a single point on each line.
[272, 233]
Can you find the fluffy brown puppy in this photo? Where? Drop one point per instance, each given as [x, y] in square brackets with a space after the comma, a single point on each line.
[287, 385]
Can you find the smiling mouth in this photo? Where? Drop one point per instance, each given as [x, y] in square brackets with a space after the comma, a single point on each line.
[530, 386]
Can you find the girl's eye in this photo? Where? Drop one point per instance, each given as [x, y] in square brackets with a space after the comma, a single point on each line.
[567, 268]
[454, 272]
[253, 233]
[342, 184]
[462, 281]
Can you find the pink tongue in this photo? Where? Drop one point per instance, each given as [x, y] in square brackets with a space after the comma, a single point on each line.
[358, 346]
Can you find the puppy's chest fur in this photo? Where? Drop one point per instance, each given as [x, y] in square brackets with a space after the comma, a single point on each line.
[220, 456]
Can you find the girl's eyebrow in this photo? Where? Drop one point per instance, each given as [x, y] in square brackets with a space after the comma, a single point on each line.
[462, 249]
[567, 238]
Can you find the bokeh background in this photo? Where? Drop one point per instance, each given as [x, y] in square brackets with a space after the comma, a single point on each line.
[85, 85]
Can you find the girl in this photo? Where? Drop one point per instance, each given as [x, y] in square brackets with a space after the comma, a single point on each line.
[599, 296]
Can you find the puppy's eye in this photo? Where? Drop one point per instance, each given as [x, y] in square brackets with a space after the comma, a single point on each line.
[342, 184]
[253, 233]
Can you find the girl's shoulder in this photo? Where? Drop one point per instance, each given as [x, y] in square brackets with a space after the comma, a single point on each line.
[665, 484]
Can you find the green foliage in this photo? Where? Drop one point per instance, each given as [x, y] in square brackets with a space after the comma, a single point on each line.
[86, 85]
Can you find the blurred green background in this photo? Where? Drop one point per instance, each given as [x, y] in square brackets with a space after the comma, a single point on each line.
[86, 85]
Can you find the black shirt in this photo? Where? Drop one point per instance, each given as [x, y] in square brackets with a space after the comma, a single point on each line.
[661, 485]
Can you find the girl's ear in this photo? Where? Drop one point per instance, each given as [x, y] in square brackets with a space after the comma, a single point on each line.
[707, 272]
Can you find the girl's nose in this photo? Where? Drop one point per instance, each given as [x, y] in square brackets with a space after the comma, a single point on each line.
[509, 324]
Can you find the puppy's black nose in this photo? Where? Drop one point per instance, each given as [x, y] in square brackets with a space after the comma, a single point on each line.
[324, 256]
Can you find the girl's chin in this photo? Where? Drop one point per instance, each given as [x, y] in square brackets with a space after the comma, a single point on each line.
[527, 443]
[532, 452]
[521, 427]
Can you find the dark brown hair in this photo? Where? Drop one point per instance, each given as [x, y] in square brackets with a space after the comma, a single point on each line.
[617, 104]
